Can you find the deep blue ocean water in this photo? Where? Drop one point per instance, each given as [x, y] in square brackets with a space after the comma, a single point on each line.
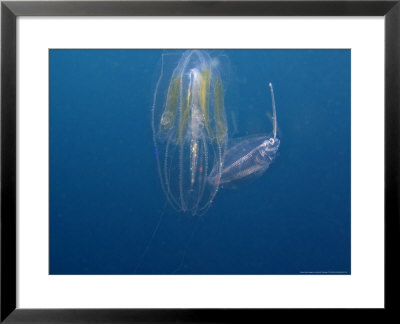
[106, 200]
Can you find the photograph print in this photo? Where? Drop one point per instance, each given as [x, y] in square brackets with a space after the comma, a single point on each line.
[199, 161]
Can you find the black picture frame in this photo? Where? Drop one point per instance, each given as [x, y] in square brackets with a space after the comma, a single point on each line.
[10, 10]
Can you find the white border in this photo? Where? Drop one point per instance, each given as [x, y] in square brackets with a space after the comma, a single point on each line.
[363, 288]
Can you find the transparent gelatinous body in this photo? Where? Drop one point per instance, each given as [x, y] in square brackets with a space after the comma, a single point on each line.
[189, 129]
[249, 156]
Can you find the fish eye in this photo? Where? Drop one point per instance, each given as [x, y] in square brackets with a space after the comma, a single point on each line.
[271, 141]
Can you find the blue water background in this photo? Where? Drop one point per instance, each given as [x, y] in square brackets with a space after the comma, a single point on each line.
[105, 195]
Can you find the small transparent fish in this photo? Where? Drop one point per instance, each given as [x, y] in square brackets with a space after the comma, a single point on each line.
[250, 156]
